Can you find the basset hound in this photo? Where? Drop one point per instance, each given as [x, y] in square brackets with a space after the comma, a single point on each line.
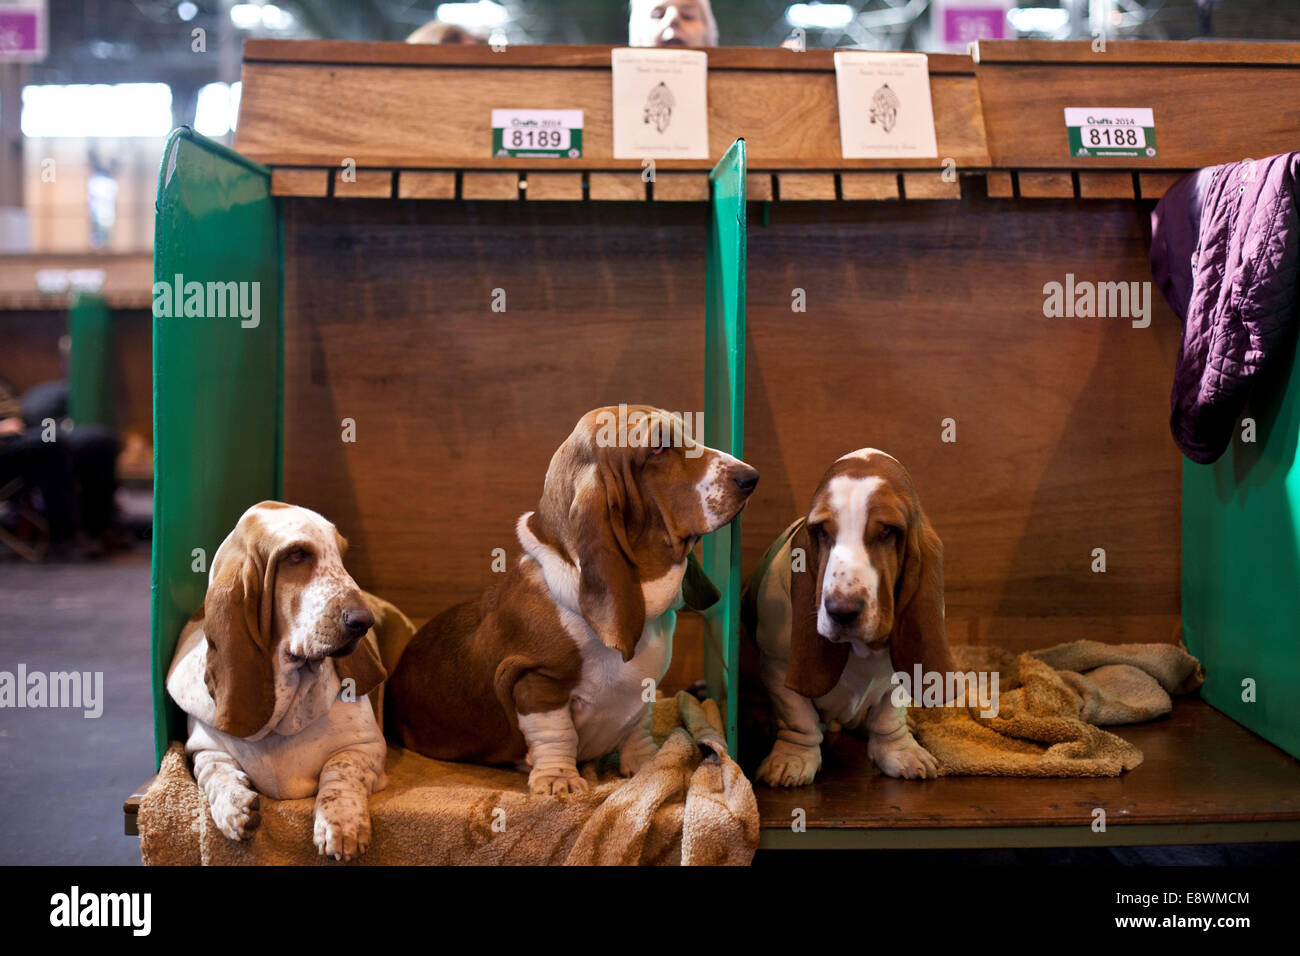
[273, 671]
[848, 595]
[557, 663]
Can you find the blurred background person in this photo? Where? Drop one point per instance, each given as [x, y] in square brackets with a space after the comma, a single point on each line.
[439, 32]
[681, 23]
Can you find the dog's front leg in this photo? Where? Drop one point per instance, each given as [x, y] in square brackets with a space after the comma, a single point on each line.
[796, 755]
[342, 828]
[891, 745]
[552, 751]
[638, 747]
[235, 805]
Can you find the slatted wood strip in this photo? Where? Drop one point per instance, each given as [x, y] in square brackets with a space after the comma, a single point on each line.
[553, 186]
[1107, 185]
[803, 186]
[681, 187]
[477, 184]
[289, 181]
[1046, 185]
[854, 185]
[616, 186]
[426, 184]
[1155, 185]
[930, 185]
[368, 184]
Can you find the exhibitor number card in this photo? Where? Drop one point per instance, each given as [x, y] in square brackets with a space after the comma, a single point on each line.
[885, 110]
[661, 108]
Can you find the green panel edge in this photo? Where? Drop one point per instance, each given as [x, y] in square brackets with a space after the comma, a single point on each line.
[1241, 566]
[92, 378]
[724, 416]
[217, 386]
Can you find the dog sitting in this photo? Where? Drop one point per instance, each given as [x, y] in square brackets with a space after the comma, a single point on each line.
[273, 671]
[865, 602]
[557, 663]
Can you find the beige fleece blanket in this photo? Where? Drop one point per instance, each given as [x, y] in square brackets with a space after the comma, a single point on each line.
[1053, 704]
[690, 805]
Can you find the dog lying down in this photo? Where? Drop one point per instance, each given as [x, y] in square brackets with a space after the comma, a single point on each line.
[552, 665]
[274, 672]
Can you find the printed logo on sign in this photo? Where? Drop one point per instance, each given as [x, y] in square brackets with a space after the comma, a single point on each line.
[1111, 132]
[545, 134]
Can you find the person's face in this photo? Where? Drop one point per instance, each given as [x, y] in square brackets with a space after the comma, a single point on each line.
[682, 23]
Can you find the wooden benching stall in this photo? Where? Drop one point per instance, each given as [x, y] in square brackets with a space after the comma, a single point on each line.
[924, 289]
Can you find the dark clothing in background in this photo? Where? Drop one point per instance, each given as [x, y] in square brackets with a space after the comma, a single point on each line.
[1225, 252]
[76, 474]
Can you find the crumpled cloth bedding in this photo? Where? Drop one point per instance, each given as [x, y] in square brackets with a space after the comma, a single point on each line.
[690, 805]
[1051, 708]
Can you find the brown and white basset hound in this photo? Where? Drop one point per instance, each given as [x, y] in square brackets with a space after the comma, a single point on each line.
[848, 595]
[273, 671]
[557, 663]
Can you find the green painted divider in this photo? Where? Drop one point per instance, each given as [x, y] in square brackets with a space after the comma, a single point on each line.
[216, 376]
[92, 380]
[724, 417]
[1241, 567]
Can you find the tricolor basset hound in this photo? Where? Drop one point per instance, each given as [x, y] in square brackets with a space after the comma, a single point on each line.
[273, 671]
[557, 663]
[849, 594]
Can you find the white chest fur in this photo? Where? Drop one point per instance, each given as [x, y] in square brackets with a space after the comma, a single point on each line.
[612, 694]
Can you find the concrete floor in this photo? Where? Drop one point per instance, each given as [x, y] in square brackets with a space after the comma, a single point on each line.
[63, 777]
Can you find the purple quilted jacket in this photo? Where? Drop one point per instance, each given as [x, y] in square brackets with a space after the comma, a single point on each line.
[1225, 252]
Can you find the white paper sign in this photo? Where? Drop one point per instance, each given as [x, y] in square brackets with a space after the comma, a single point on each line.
[885, 110]
[661, 106]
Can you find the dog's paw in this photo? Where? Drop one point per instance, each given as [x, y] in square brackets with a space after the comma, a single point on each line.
[903, 758]
[341, 835]
[237, 812]
[556, 782]
[789, 765]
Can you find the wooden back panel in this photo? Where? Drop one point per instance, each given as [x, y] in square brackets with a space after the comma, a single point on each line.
[917, 312]
[458, 409]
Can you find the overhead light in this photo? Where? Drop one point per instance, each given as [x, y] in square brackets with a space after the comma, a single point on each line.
[1048, 20]
[124, 109]
[250, 16]
[246, 16]
[187, 11]
[820, 16]
[217, 108]
[482, 15]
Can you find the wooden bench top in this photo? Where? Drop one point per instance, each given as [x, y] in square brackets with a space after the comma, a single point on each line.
[1205, 779]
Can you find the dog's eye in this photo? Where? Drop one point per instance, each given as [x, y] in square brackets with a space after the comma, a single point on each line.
[887, 534]
[656, 452]
[297, 556]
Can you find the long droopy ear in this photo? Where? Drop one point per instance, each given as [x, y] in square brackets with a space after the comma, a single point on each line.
[237, 621]
[363, 665]
[919, 636]
[815, 663]
[698, 592]
[609, 587]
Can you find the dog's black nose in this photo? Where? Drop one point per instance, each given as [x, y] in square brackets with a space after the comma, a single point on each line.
[746, 479]
[356, 621]
[844, 611]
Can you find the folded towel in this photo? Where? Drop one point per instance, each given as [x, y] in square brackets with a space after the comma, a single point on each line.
[689, 805]
[1052, 705]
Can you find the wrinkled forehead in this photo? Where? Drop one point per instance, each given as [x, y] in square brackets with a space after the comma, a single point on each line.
[276, 523]
[861, 481]
[632, 426]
